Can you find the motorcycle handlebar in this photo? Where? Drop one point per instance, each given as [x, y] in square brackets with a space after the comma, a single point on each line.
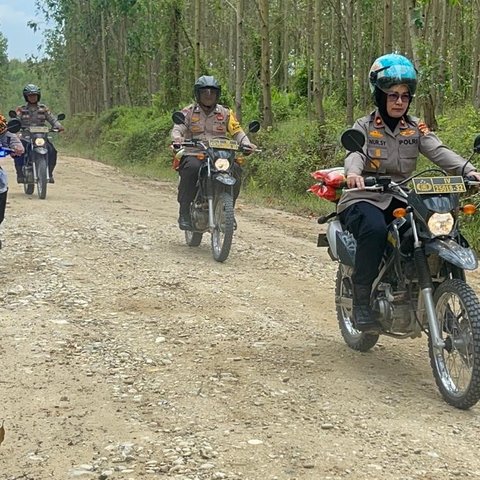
[200, 143]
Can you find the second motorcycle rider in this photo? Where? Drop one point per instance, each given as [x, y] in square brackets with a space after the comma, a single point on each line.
[205, 119]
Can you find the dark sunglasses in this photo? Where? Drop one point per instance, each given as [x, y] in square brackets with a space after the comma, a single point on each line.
[394, 96]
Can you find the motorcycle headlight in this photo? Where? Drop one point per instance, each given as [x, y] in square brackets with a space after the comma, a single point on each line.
[222, 164]
[440, 224]
[39, 142]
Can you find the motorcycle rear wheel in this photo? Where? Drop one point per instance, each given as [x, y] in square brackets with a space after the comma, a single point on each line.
[42, 178]
[457, 367]
[224, 220]
[356, 340]
[193, 239]
[28, 188]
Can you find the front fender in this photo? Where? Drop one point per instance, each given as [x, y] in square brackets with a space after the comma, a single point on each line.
[448, 249]
[226, 179]
[40, 150]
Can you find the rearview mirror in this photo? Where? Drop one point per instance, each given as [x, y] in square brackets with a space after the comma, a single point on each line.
[353, 140]
[61, 116]
[254, 126]
[14, 125]
[178, 118]
[12, 114]
[476, 144]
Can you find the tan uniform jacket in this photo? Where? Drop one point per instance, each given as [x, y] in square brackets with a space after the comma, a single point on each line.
[36, 115]
[221, 122]
[395, 154]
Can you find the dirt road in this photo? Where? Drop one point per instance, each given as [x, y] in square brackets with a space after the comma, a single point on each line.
[127, 355]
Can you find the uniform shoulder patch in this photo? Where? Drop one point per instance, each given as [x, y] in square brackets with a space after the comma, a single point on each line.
[423, 127]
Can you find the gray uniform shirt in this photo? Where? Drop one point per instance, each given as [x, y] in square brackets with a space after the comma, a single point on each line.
[395, 154]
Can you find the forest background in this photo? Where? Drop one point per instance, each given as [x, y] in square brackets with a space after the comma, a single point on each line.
[119, 68]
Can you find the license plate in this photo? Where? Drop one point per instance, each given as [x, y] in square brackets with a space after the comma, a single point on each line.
[432, 185]
[223, 144]
[38, 129]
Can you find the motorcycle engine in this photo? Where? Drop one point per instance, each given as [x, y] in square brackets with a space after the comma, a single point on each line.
[200, 218]
[393, 310]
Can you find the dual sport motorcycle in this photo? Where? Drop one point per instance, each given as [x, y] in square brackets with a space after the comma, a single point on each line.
[35, 166]
[212, 209]
[421, 286]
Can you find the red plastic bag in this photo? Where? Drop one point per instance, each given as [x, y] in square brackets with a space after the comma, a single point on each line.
[330, 183]
[330, 177]
[326, 192]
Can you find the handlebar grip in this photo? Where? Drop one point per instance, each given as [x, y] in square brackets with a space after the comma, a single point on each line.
[370, 181]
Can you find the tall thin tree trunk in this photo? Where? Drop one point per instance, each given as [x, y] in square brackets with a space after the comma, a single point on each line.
[239, 59]
[265, 63]
[317, 63]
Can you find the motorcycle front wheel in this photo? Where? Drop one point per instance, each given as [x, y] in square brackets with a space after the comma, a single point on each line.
[456, 367]
[356, 340]
[224, 225]
[42, 178]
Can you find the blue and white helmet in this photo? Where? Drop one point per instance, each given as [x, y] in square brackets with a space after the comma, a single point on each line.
[392, 69]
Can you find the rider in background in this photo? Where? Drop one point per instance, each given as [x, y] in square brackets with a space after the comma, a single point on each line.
[36, 114]
[205, 119]
[394, 141]
[9, 140]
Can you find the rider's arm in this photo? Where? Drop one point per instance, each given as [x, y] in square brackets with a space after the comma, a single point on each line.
[52, 120]
[355, 162]
[10, 140]
[433, 148]
[236, 131]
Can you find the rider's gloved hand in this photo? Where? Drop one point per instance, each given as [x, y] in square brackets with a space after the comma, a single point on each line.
[248, 148]
[18, 150]
[177, 143]
[474, 176]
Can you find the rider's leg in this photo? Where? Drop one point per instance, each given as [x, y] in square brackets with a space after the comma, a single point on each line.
[52, 160]
[368, 225]
[187, 188]
[18, 162]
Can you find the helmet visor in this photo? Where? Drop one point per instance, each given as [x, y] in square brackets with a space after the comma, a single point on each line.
[396, 75]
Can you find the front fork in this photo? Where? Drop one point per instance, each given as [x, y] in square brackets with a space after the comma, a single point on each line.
[426, 289]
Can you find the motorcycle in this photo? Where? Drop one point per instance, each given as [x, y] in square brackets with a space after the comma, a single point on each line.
[421, 286]
[212, 209]
[35, 166]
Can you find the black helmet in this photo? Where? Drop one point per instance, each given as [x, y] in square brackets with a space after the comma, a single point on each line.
[206, 81]
[31, 89]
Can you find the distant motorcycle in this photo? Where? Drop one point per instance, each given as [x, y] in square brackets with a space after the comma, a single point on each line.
[421, 285]
[212, 209]
[35, 167]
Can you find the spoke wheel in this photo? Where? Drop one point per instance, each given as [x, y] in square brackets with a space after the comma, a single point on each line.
[224, 220]
[456, 367]
[28, 188]
[42, 178]
[193, 239]
[355, 339]
[28, 183]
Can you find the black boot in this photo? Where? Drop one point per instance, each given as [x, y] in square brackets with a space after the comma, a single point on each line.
[184, 218]
[363, 317]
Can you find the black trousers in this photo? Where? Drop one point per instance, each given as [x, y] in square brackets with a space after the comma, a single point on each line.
[187, 187]
[3, 204]
[368, 224]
